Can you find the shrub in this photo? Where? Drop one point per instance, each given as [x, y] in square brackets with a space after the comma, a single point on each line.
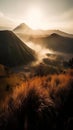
[41, 103]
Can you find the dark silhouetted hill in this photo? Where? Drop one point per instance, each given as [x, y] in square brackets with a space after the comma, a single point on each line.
[59, 32]
[25, 29]
[13, 52]
[55, 42]
[53, 39]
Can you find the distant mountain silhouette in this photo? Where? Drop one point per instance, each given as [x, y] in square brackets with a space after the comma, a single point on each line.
[13, 52]
[64, 34]
[53, 39]
[55, 42]
[25, 29]
[22, 28]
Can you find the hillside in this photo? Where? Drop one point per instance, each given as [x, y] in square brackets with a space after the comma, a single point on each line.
[55, 42]
[13, 52]
[25, 29]
[59, 32]
[53, 39]
[40, 103]
[22, 28]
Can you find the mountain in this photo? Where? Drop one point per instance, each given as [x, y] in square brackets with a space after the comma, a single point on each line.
[25, 33]
[55, 42]
[22, 28]
[53, 39]
[25, 29]
[59, 32]
[64, 34]
[13, 52]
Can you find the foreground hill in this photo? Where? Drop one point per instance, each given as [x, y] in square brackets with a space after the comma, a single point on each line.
[13, 52]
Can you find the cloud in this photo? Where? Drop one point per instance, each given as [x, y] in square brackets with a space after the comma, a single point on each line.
[41, 51]
[68, 15]
[66, 20]
[63, 22]
[6, 21]
[1, 14]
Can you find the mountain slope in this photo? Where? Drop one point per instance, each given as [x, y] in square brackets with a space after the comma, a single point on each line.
[52, 39]
[55, 42]
[13, 52]
[59, 32]
[25, 29]
[22, 28]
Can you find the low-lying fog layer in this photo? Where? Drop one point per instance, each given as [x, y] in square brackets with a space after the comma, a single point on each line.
[40, 50]
[47, 53]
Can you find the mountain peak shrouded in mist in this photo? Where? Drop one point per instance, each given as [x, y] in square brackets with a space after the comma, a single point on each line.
[55, 42]
[22, 28]
[51, 39]
[13, 52]
[62, 33]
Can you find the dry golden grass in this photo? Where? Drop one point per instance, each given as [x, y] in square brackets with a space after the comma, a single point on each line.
[8, 84]
[40, 103]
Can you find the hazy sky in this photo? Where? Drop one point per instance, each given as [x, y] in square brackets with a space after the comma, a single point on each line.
[45, 14]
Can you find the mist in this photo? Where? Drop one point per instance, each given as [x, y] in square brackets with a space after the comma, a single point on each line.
[40, 50]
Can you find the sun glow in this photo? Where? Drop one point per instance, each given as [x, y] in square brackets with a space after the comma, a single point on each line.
[34, 17]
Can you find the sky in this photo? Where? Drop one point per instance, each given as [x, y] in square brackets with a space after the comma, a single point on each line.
[38, 14]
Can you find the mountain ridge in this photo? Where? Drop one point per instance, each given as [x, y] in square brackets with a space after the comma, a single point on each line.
[13, 52]
[21, 28]
[55, 42]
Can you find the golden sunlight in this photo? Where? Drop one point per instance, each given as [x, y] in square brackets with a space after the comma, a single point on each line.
[34, 17]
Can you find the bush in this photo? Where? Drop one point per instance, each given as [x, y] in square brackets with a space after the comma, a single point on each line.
[41, 103]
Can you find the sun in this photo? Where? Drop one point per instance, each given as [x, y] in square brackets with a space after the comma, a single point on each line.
[34, 17]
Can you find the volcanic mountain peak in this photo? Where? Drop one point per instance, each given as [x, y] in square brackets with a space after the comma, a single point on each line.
[22, 27]
[60, 33]
[13, 52]
[25, 29]
[55, 35]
